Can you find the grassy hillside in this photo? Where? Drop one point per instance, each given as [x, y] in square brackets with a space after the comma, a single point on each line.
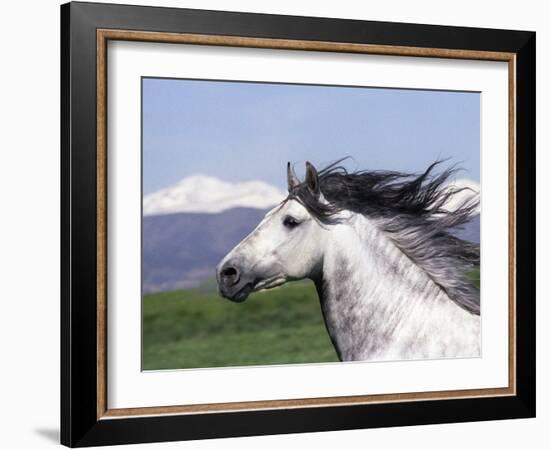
[196, 328]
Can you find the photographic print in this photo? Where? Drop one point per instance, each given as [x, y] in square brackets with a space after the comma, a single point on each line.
[268, 220]
[295, 223]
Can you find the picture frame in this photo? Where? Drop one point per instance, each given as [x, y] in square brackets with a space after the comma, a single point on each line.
[86, 418]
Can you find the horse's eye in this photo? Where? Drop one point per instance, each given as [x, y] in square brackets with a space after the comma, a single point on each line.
[290, 222]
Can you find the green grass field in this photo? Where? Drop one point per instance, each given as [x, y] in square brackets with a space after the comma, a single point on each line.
[196, 328]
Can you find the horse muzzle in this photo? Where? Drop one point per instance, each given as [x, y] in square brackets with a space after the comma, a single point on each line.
[233, 284]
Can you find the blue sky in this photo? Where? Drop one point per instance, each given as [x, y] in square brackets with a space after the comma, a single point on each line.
[240, 131]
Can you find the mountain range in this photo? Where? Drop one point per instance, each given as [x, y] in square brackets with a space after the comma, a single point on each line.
[189, 227]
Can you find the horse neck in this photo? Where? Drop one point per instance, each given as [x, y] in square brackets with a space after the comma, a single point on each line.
[376, 302]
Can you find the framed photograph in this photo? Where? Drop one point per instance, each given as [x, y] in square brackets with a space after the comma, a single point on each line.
[277, 224]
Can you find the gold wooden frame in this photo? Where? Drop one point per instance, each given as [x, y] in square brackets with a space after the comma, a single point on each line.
[103, 36]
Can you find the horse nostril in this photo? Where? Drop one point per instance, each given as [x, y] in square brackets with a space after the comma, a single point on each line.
[229, 272]
[230, 275]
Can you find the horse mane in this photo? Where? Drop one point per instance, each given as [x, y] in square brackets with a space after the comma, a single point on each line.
[410, 210]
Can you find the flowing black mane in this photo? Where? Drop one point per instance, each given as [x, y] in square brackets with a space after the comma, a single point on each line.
[411, 210]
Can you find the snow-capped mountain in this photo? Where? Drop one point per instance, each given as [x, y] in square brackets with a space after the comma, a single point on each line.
[210, 217]
[207, 194]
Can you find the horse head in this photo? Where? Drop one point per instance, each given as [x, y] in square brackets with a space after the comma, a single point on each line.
[285, 246]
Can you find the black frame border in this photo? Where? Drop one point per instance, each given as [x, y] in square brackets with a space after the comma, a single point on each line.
[79, 423]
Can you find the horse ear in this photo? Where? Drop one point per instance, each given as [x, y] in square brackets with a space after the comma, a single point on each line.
[291, 177]
[312, 179]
